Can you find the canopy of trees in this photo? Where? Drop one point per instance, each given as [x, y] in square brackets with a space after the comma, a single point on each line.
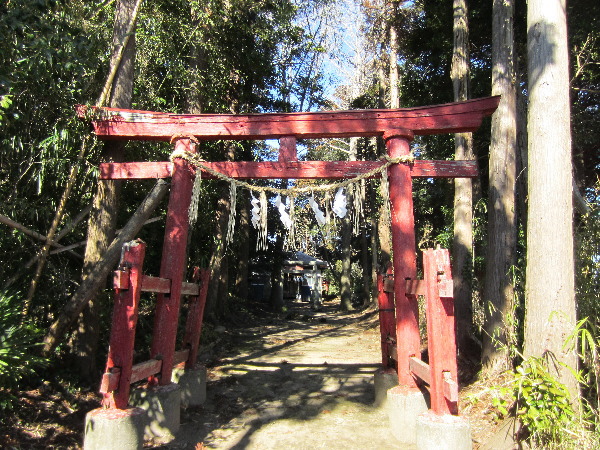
[246, 56]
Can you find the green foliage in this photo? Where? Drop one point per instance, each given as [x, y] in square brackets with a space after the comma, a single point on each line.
[18, 342]
[540, 402]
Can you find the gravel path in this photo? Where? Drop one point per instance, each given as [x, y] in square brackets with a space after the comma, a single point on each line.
[304, 383]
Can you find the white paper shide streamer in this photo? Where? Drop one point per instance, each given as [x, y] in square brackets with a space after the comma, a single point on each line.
[339, 203]
[318, 213]
[259, 219]
[285, 217]
[255, 219]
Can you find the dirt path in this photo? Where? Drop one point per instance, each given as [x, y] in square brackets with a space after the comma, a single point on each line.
[303, 383]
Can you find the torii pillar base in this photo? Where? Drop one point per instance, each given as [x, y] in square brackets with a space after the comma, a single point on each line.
[443, 432]
[404, 405]
[163, 407]
[115, 429]
[383, 380]
[192, 383]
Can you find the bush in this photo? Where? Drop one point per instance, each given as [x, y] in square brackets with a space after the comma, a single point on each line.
[18, 342]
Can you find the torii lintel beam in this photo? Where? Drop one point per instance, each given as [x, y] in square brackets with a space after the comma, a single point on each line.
[113, 123]
[333, 170]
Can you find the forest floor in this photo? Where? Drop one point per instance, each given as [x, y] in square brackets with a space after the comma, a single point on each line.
[301, 380]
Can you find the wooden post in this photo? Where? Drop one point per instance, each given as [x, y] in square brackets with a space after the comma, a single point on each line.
[403, 249]
[124, 320]
[172, 264]
[387, 319]
[441, 336]
[193, 325]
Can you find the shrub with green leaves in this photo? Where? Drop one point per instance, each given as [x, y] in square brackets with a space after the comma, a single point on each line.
[541, 403]
[18, 342]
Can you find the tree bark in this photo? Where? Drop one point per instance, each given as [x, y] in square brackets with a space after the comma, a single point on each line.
[102, 223]
[394, 75]
[550, 289]
[500, 258]
[96, 276]
[462, 245]
[346, 276]
[241, 279]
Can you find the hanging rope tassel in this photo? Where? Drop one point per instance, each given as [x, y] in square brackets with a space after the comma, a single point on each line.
[385, 195]
[291, 240]
[262, 231]
[358, 206]
[193, 209]
[232, 212]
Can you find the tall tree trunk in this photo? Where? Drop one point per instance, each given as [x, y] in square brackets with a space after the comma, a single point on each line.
[502, 235]
[346, 275]
[103, 218]
[462, 245]
[241, 278]
[550, 290]
[394, 75]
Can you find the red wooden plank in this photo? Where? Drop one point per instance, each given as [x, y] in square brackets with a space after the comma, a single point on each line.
[110, 381]
[122, 335]
[420, 369]
[440, 331]
[180, 357]
[415, 287]
[145, 370]
[121, 278]
[189, 289]
[387, 321]
[447, 118]
[156, 284]
[172, 265]
[405, 265]
[193, 325]
[333, 170]
[287, 149]
[450, 388]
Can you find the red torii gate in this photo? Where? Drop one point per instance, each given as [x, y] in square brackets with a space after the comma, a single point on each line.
[397, 126]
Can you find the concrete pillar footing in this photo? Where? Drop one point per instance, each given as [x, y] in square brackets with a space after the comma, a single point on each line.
[383, 379]
[443, 432]
[115, 429]
[192, 383]
[404, 405]
[163, 406]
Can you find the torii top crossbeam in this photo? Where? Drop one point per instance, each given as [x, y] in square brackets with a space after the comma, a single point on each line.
[121, 124]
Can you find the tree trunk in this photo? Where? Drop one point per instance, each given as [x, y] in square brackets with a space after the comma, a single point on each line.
[241, 279]
[462, 245]
[218, 254]
[550, 293]
[346, 275]
[103, 219]
[394, 75]
[500, 258]
[97, 275]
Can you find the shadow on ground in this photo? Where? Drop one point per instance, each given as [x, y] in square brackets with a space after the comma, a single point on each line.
[301, 383]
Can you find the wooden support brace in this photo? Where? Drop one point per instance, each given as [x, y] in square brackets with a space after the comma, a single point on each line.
[287, 149]
[440, 332]
[141, 371]
[387, 320]
[153, 284]
[420, 369]
[193, 326]
[122, 336]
